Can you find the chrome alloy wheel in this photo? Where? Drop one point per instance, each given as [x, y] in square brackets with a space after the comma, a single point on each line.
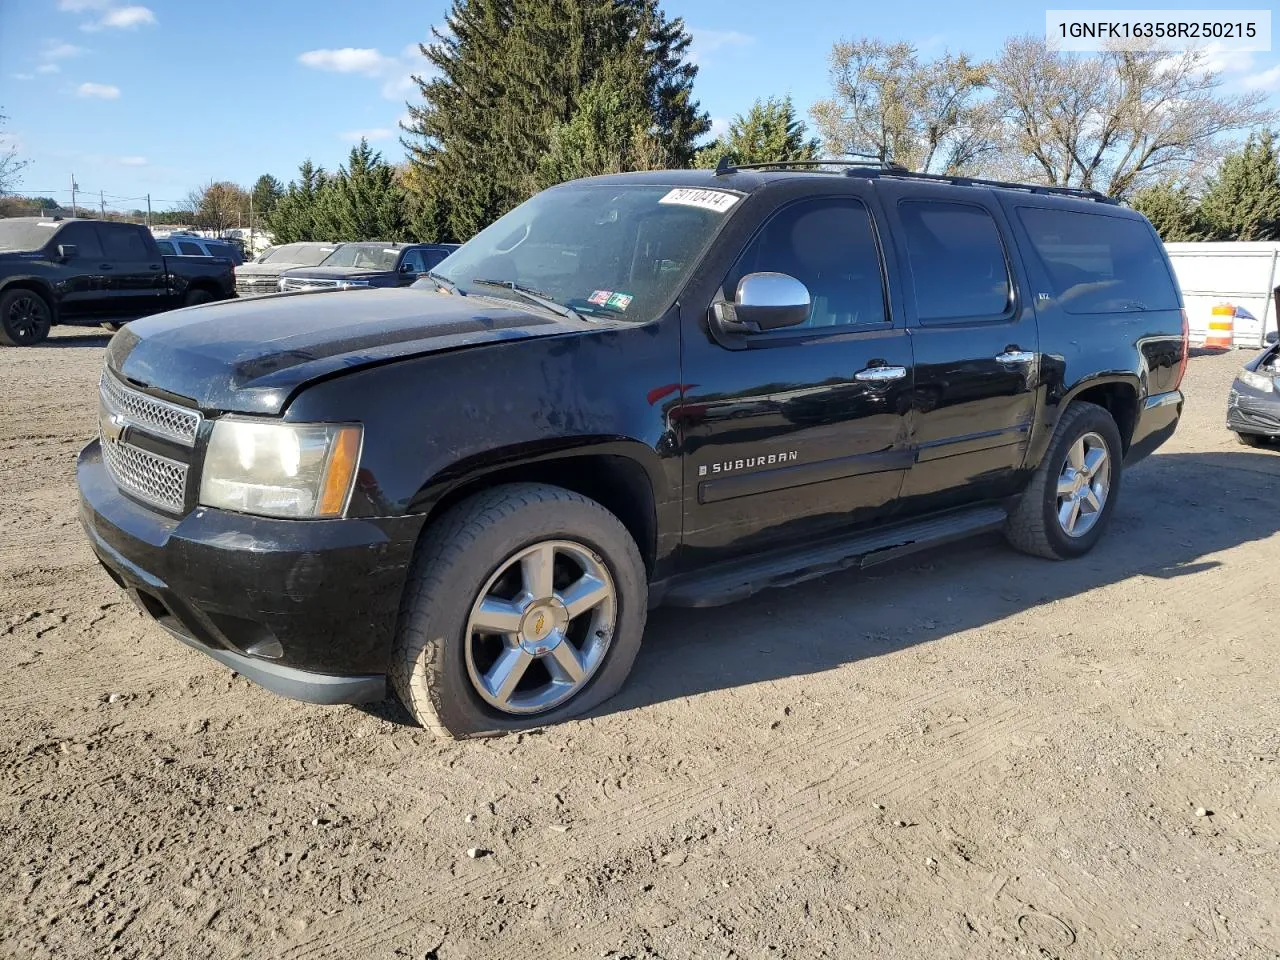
[1083, 485]
[540, 627]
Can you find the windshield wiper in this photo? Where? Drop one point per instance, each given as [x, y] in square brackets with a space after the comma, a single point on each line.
[532, 296]
[445, 282]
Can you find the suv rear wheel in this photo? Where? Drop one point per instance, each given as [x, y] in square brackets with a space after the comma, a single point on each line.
[525, 607]
[1072, 495]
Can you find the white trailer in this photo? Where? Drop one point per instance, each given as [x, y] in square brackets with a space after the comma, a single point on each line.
[1241, 274]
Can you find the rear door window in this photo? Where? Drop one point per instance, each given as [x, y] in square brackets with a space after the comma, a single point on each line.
[121, 243]
[1099, 264]
[958, 266]
[189, 249]
[166, 248]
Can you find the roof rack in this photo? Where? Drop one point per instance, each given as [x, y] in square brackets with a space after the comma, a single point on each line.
[873, 168]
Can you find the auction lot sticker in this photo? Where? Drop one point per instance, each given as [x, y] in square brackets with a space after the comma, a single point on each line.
[1095, 31]
[715, 200]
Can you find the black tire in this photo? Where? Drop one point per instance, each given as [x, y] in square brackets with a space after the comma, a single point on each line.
[1033, 526]
[1252, 439]
[196, 297]
[457, 556]
[25, 318]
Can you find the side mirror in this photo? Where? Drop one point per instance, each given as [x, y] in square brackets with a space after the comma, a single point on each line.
[1271, 338]
[407, 268]
[67, 251]
[763, 302]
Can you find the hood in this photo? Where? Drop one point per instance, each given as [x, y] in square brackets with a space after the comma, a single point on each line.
[272, 268]
[250, 356]
[339, 273]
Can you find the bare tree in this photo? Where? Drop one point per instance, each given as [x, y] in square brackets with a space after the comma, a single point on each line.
[888, 103]
[1115, 121]
[218, 205]
[10, 165]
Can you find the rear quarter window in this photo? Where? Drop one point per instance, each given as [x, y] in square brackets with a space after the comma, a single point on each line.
[1100, 264]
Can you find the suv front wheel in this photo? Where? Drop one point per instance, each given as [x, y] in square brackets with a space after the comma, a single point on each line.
[525, 607]
[1073, 492]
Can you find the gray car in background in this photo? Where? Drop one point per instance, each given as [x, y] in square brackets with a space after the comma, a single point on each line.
[262, 275]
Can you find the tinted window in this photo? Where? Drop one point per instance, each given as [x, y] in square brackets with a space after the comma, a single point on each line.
[828, 245]
[85, 239]
[432, 257]
[1100, 264]
[166, 247]
[189, 249]
[957, 261]
[122, 243]
[413, 259]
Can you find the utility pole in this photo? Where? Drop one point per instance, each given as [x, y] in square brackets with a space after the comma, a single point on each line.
[73, 195]
[251, 248]
[148, 211]
[102, 204]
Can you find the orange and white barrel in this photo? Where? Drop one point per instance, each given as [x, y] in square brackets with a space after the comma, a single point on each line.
[1222, 328]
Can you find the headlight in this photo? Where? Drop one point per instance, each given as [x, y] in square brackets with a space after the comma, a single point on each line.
[1257, 380]
[275, 469]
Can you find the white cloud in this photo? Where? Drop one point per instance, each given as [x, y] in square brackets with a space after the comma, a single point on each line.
[132, 161]
[122, 18]
[48, 68]
[24, 76]
[372, 134]
[59, 50]
[347, 60]
[80, 6]
[101, 91]
[719, 127]
[399, 87]
[1266, 80]
[1218, 59]
[709, 41]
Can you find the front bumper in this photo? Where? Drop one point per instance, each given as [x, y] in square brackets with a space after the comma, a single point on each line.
[305, 608]
[1157, 420]
[1249, 410]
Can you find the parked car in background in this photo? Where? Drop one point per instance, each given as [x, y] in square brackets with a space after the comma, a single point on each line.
[1253, 405]
[368, 265]
[177, 245]
[75, 271]
[262, 276]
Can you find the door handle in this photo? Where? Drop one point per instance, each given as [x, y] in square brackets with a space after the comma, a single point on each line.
[105, 266]
[880, 374]
[1016, 356]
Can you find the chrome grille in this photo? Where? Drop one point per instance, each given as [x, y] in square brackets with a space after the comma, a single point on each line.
[305, 283]
[154, 416]
[257, 285]
[149, 477]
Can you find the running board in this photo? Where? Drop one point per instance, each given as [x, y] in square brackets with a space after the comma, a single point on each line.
[736, 580]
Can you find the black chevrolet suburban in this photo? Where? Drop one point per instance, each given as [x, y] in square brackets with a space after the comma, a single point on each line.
[355, 265]
[668, 387]
[77, 271]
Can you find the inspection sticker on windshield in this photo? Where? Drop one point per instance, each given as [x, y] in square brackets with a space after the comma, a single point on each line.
[715, 200]
[607, 298]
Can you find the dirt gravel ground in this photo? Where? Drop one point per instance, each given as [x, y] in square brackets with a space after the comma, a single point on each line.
[974, 755]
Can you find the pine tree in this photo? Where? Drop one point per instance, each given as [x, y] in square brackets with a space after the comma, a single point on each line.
[1172, 211]
[365, 201]
[510, 76]
[266, 192]
[1243, 201]
[300, 214]
[769, 131]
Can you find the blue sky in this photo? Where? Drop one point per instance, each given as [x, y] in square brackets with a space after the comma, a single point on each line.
[159, 97]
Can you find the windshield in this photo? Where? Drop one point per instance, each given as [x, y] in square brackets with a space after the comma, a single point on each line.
[366, 256]
[21, 235]
[604, 249]
[303, 254]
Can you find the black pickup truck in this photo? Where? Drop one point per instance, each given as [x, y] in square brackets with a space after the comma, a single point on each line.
[77, 271]
[667, 387]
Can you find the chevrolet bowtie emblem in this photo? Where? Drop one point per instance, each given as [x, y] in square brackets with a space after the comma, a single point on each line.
[115, 428]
